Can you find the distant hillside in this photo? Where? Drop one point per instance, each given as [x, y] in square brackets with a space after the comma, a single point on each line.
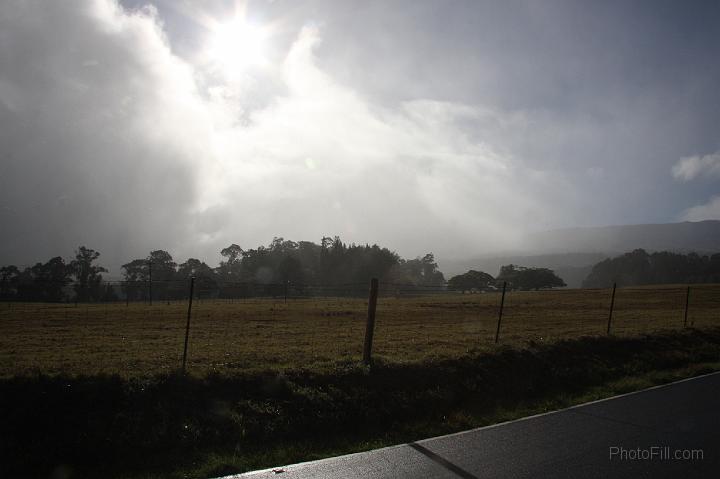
[701, 236]
[573, 252]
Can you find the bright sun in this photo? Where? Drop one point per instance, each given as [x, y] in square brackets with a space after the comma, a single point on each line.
[238, 45]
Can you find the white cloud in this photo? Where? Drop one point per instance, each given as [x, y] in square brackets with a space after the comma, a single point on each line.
[707, 211]
[691, 167]
[148, 152]
[412, 176]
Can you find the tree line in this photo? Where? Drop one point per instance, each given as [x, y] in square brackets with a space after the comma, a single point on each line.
[242, 272]
[641, 268]
[57, 280]
[635, 268]
[285, 266]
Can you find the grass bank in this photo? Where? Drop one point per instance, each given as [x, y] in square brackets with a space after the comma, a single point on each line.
[190, 426]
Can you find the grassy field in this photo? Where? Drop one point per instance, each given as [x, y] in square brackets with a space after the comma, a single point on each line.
[319, 333]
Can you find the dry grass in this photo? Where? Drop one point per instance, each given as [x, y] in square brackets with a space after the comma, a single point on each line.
[318, 333]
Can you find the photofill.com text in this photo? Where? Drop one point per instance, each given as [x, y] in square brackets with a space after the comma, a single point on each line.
[655, 453]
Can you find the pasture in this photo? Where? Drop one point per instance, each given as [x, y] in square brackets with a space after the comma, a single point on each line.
[241, 335]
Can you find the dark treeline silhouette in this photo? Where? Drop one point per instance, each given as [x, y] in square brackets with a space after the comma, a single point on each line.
[516, 277]
[520, 277]
[57, 280]
[282, 267]
[640, 267]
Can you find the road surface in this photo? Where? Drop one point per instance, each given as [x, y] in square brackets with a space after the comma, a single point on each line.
[666, 431]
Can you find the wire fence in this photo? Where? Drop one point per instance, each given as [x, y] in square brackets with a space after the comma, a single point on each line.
[280, 326]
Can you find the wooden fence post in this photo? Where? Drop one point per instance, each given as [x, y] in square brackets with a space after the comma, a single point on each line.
[187, 325]
[370, 325]
[687, 303]
[502, 304]
[612, 305]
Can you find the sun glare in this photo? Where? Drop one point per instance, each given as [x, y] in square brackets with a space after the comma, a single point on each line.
[238, 45]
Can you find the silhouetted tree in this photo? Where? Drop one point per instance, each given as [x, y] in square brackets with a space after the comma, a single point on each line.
[9, 277]
[290, 270]
[88, 277]
[417, 272]
[229, 268]
[520, 277]
[206, 284]
[44, 282]
[472, 280]
[136, 275]
[163, 274]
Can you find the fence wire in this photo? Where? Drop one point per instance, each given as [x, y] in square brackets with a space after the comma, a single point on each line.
[286, 325]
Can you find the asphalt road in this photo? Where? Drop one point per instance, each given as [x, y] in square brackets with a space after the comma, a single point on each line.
[598, 439]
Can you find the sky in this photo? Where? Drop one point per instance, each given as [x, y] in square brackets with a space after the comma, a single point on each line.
[453, 127]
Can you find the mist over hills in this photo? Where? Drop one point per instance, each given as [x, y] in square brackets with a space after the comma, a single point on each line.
[572, 252]
[700, 236]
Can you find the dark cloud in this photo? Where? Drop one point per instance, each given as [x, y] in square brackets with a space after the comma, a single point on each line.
[95, 150]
